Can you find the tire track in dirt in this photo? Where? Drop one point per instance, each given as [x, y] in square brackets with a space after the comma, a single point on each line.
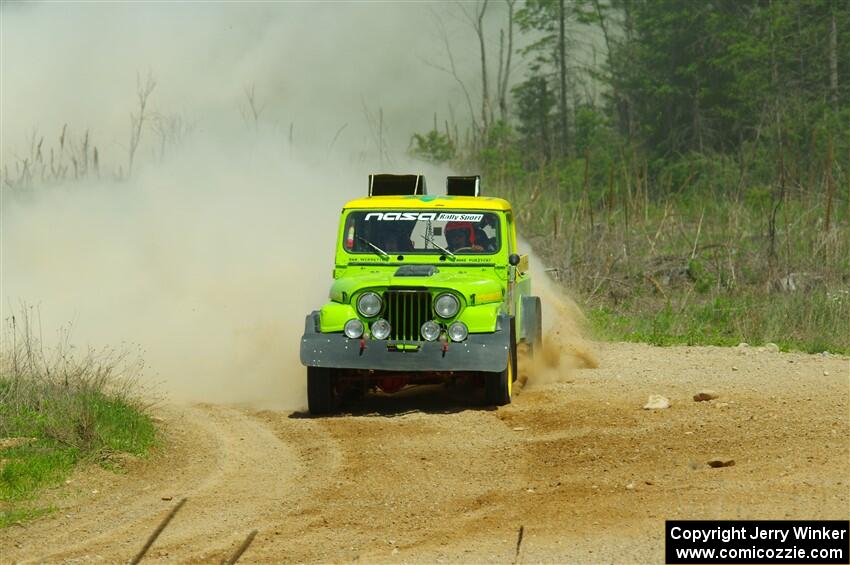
[427, 476]
[232, 469]
[405, 478]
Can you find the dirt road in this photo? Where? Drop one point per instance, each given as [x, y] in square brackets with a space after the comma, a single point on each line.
[587, 473]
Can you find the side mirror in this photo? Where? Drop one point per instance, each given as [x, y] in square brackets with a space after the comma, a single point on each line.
[513, 259]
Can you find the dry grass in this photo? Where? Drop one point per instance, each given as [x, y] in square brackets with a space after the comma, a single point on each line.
[701, 267]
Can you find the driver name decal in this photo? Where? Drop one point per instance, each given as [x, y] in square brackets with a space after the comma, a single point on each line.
[446, 217]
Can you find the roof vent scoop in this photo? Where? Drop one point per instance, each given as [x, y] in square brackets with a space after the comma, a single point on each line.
[463, 186]
[397, 185]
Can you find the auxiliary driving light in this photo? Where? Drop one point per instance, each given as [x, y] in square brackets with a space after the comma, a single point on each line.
[458, 331]
[369, 304]
[446, 305]
[353, 328]
[380, 329]
[430, 330]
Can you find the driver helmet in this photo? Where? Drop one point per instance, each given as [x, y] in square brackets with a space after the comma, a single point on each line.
[464, 227]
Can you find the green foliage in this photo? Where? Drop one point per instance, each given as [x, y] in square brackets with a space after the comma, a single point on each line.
[592, 130]
[742, 83]
[121, 427]
[535, 103]
[501, 154]
[695, 188]
[703, 280]
[34, 466]
[434, 147]
[540, 18]
[709, 76]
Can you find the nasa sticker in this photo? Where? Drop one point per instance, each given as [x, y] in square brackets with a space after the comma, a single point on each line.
[413, 216]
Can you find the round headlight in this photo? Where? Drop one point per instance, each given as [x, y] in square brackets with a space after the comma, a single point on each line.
[458, 331]
[380, 329]
[353, 328]
[446, 305]
[369, 304]
[430, 330]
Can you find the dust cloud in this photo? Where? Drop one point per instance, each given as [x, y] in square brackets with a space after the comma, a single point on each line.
[210, 255]
[263, 120]
[209, 264]
[565, 347]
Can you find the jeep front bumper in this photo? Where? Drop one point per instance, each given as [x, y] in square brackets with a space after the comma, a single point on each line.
[478, 352]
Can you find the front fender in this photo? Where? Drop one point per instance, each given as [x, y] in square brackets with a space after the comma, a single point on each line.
[481, 319]
[333, 315]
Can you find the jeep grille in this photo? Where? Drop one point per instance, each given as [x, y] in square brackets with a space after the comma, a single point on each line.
[406, 311]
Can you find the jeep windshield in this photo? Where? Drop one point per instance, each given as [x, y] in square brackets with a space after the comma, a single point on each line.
[395, 231]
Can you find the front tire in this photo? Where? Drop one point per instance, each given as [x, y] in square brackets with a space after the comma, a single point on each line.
[320, 390]
[498, 387]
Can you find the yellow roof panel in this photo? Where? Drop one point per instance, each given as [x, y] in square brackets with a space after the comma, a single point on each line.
[430, 202]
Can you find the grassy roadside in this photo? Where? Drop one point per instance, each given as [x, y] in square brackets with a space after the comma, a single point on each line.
[811, 323]
[710, 265]
[58, 411]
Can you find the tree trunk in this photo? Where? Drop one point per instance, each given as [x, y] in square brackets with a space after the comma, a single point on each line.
[833, 60]
[628, 29]
[829, 183]
[563, 77]
[543, 120]
[485, 91]
[505, 75]
[698, 118]
[619, 103]
[500, 71]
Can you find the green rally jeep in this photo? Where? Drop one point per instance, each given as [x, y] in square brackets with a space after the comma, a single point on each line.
[427, 288]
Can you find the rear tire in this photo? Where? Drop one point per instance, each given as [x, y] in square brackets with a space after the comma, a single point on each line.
[535, 339]
[320, 390]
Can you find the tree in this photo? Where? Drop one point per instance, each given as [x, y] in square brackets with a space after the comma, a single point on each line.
[547, 20]
[434, 147]
[535, 103]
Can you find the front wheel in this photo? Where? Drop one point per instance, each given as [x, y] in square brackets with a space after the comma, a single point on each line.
[320, 390]
[499, 386]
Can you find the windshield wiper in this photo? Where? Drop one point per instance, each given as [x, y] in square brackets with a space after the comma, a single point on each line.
[377, 249]
[438, 246]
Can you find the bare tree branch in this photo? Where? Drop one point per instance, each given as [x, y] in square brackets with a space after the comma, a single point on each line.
[143, 92]
[478, 26]
[254, 110]
[452, 69]
[504, 77]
